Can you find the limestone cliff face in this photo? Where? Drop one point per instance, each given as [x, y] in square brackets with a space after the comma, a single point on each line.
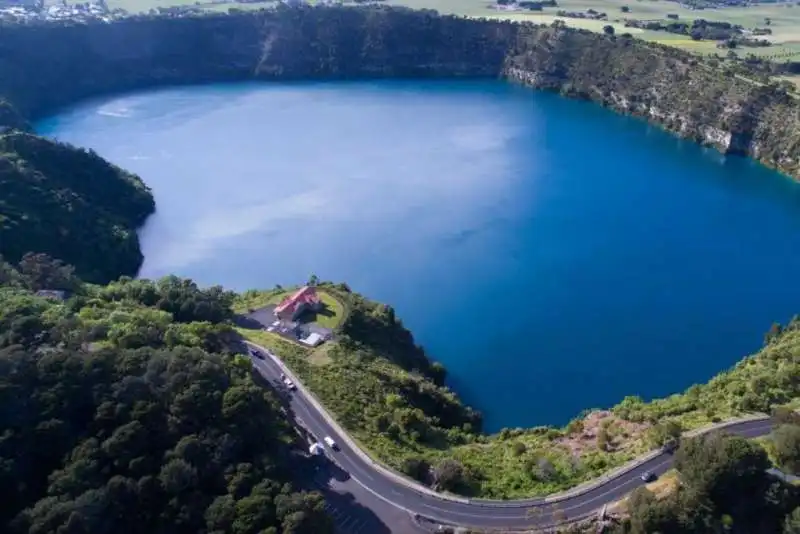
[665, 86]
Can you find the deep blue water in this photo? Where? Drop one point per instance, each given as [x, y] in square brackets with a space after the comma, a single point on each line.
[553, 255]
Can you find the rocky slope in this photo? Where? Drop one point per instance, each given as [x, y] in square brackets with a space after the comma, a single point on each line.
[666, 86]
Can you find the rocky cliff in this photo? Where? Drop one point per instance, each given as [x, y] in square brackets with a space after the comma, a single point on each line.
[666, 86]
[683, 93]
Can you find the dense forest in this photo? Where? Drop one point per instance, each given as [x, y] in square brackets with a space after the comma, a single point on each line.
[122, 406]
[72, 204]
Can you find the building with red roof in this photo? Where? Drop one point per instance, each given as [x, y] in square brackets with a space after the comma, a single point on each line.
[304, 299]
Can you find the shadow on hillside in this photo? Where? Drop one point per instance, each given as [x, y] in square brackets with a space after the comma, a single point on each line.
[242, 321]
[312, 316]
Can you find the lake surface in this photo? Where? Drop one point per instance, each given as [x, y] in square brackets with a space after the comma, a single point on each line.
[553, 255]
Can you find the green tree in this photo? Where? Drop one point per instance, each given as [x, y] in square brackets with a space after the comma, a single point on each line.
[449, 475]
[417, 468]
[792, 523]
[665, 433]
[40, 271]
[786, 443]
[717, 465]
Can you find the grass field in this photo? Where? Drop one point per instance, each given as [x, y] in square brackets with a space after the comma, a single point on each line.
[785, 20]
[331, 315]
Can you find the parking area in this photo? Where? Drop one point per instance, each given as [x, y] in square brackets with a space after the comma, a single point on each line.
[263, 316]
[296, 331]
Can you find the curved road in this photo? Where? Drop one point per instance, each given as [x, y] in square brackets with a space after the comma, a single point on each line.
[518, 514]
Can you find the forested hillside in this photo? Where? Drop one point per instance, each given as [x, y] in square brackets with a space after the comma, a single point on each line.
[121, 412]
[71, 204]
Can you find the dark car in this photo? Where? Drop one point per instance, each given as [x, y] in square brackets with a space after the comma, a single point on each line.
[257, 354]
[648, 476]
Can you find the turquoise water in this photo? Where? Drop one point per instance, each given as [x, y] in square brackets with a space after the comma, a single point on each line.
[554, 256]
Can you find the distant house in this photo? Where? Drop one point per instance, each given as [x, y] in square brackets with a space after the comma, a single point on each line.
[304, 299]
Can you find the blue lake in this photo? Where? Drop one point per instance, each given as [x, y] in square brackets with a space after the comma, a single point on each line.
[553, 255]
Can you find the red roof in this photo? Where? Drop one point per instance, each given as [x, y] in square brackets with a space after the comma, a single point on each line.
[304, 295]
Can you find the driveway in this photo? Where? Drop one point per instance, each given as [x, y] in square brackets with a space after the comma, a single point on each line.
[264, 316]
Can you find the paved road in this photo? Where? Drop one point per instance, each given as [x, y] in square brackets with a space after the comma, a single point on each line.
[520, 514]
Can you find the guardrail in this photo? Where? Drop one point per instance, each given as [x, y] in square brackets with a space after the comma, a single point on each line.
[491, 503]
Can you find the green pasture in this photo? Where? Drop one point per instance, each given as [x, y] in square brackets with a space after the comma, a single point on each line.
[784, 20]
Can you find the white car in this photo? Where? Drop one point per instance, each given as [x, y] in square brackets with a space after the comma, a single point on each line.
[332, 444]
[289, 384]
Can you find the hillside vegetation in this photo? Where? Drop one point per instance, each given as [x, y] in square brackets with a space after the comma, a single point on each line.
[124, 406]
[71, 204]
[724, 487]
[123, 412]
[377, 382]
[386, 392]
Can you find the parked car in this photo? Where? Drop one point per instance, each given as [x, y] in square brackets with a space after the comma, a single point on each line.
[648, 476]
[670, 446]
[332, 444]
